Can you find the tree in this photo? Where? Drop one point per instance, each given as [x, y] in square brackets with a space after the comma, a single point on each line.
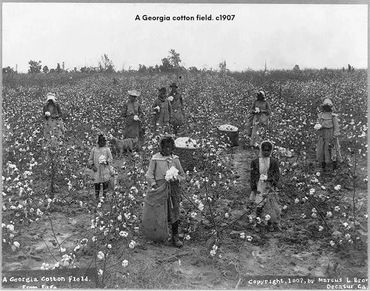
[296, 68]
[142, 68]
[105, 64]
[8, 70]
[45, 69]
[222, 67]
[174, 59]
[58, 69]
[193, 69]
[35, 67]
[166, 65]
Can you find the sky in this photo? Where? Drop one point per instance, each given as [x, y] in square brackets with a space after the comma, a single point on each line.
[282, 35]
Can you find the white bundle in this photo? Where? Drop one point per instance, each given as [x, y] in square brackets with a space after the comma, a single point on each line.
[170, 98]
[317, 126]
[257, 110]
[263, 177]
[185, 142]
[157, 108]
[102, 159]
[136, 117]
[47, 113]
[172, 174]
[228, 127]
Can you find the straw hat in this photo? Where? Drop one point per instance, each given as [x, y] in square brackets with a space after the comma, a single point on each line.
[134, 93]
[50, 96]
[327, 101]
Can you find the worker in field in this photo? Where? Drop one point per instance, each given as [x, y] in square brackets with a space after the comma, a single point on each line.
[133, 115]
[264, 178]
[178, 115]
[100, 160]
[53, 127]
[327, 127]
[259, 115]
[162, 202]
[162, 112]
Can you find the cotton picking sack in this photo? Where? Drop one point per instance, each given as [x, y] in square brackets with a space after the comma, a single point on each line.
[154, 222]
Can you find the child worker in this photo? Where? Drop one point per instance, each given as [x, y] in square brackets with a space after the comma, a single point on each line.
[100, 161]
[163, 200]
[265, 174]
[327, 126]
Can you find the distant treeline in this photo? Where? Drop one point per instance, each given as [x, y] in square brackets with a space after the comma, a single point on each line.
[258, 78]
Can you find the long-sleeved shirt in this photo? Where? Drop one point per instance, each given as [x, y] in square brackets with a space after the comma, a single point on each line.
[163, 116]
[177, 103]
[273, 173]
[54, 109]
[132, 108]
[329, 120]
[263, 106]
[159, 165]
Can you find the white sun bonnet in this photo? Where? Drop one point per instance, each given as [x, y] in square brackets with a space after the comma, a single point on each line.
[50, 96]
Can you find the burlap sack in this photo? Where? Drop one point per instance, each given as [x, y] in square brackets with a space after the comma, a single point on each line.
[154, 222]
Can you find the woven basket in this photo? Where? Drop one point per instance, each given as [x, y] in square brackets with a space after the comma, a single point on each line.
[189, 157]
[229, 137]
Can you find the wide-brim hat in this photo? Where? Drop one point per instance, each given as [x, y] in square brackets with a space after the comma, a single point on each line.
[173, 85]
[134, 93]
[327, 101]
[261, 93]
[50, 96]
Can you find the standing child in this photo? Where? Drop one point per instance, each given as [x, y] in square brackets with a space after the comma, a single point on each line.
[100, 160]
[265, 176]
[327, 126]
[163, 200]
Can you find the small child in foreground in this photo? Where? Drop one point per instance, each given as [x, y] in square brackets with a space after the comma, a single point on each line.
[265, 176]
[100, 161]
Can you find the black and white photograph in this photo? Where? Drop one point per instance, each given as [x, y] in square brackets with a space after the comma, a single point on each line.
[184, 145]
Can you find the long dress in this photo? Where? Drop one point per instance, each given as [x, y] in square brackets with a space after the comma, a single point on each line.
[133, 127]
[104, 172]
[163, 116]
[53, 126]
[158, 167]
[328, 147]
[178, 118]
[268, 167]
[260, 120]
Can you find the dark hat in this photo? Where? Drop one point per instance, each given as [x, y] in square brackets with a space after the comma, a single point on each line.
[163, 89]
[173, 85]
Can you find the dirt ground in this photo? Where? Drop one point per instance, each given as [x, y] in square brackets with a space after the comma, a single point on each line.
[191, 267]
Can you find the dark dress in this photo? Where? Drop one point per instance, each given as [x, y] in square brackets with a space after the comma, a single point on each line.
[133, 127]
[178, 118]
[53, 127]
